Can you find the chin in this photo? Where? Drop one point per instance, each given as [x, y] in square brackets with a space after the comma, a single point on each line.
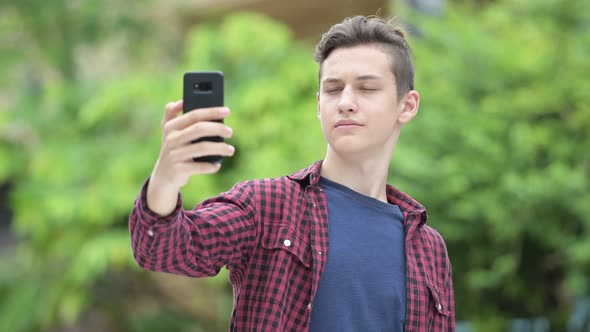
[349, 148]
[353, 147]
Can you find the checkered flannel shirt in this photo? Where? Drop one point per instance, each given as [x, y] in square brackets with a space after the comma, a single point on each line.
[272, 234]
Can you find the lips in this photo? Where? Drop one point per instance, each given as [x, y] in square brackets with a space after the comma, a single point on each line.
[347, 123]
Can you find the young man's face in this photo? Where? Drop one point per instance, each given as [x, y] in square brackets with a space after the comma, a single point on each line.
[358, 107]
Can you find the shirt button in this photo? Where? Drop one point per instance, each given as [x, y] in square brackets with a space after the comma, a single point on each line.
[438, 307]
[151, 233]
[319, 252]
[309, 306]
[287, 243]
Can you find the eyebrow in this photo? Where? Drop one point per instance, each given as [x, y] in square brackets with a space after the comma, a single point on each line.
[359, 78]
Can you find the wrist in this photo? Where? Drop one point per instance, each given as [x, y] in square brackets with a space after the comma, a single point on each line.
[161, 198]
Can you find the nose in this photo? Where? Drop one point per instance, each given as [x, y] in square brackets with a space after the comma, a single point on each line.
[347, 102]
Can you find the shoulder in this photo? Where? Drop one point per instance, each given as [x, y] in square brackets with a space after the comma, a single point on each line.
[431, 235]
[436, 252]
[435, 246]
[268, 183]
[282, 186]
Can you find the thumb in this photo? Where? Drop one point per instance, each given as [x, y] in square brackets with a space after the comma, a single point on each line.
[171, 111]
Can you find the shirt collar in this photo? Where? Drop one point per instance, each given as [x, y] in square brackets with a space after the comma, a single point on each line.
[407, 204]
[310, 174]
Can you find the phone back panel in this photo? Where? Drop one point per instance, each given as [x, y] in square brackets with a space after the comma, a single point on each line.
[202, 90]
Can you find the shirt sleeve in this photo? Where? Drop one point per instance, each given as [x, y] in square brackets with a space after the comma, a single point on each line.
[197, 242]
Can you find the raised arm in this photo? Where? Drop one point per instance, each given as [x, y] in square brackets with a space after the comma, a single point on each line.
[198, 242]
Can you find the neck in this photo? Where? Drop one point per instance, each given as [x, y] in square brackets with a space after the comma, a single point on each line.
[367, 176]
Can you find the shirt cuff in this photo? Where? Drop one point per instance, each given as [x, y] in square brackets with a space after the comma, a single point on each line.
[149, 216]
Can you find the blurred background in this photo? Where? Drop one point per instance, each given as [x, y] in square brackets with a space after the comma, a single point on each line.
[499, 153]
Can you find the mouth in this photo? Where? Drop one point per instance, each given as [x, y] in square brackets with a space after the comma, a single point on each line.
[347, 124]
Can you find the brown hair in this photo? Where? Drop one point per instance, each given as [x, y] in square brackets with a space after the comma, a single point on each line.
[362, 30]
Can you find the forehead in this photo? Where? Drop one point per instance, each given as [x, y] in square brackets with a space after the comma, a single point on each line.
[357, 61]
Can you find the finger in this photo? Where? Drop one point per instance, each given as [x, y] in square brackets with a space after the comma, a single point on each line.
[196, 131]
[171, 111]
[198, 115]
[202, 129]
[192, 167]
[202, 149]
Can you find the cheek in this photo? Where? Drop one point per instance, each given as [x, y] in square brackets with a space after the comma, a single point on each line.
[323, 111]
[323, 119]
[384, 120]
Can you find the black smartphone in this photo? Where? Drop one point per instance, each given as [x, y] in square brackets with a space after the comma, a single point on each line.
[202, 90]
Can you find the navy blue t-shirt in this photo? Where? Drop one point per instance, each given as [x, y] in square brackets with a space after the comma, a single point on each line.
[363, 287]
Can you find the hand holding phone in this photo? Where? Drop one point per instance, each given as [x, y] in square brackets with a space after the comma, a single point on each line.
[203, 90]
[198, 135]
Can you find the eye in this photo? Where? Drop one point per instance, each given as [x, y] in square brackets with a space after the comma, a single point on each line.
[367, 88]
[332, 90]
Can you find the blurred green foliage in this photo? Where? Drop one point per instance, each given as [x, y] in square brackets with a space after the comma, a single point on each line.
[77, 152]
[498, 154]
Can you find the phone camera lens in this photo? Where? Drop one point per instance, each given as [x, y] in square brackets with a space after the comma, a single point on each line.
[202, 87]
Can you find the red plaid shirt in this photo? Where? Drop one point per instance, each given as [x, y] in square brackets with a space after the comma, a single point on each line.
[272, 234]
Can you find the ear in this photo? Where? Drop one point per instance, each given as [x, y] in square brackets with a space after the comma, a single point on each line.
[408, 107]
